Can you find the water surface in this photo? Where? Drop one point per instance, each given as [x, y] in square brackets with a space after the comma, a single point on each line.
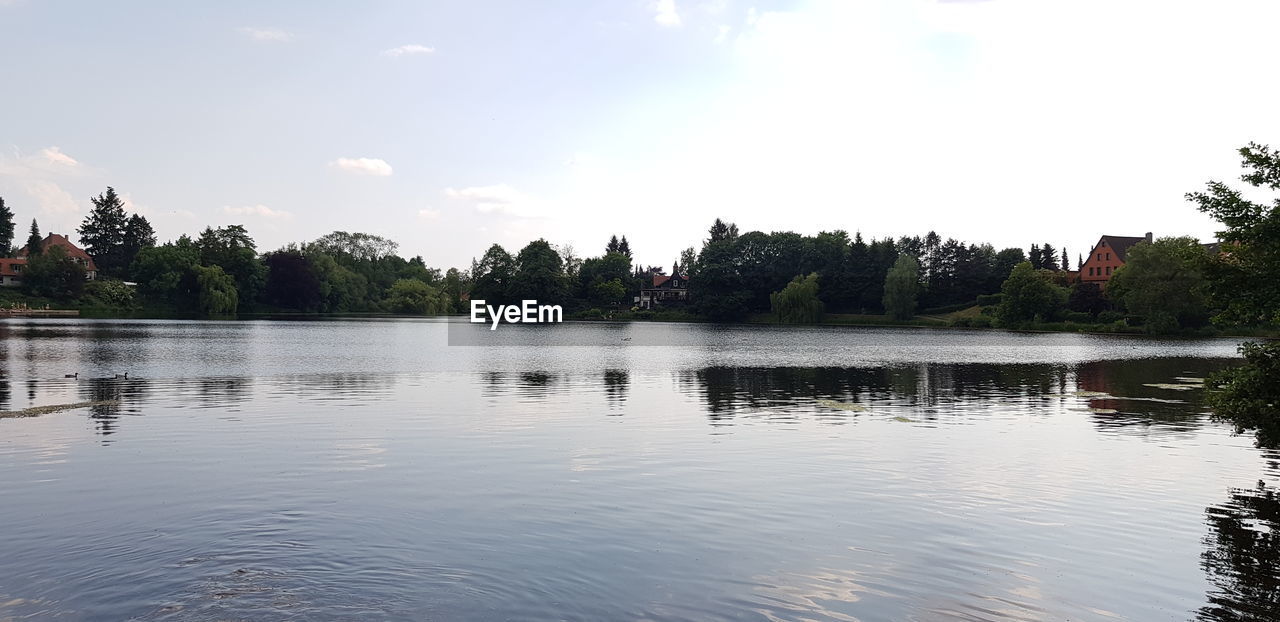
[367, 470]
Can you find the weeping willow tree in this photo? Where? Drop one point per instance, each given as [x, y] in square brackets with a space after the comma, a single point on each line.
[902, 287]
[217, 291]
[798, 302]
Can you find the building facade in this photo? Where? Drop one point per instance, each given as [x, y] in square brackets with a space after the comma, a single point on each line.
[11, 269]
[1107, 256]
[665, 291]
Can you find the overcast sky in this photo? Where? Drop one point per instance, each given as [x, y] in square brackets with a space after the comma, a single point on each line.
[449, 126]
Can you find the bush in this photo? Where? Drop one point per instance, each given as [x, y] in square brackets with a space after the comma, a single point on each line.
[1249, 395]
[990, 300]
[1110, 317]
[1077, 317]
[798, 302]
[110, 293]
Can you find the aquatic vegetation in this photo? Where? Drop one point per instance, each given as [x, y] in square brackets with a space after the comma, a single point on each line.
[849, 406]
[1173, 386]
[36, 411]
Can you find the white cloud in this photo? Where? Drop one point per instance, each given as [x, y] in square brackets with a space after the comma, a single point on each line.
[376, 167]
[722, 34]
[497, 199]
[259, 210]
[665, 13]
[51, 198]
[412, 48]
[266, 34]
[428, 214]
[56, 156]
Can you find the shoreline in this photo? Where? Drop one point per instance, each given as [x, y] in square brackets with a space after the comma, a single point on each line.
[758, 320]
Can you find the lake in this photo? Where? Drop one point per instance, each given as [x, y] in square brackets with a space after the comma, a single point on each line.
[366, 469]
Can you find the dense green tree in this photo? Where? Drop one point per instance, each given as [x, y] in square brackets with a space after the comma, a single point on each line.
[722, 231]
[360, 246]
[102, 234]
[341, 289]
[1249, 395]
[217, 291]
[35, 241]
[412, 296]
[232, 249]
[138, 235]
[611, 293]
[1087, 297]
[6, 229]
[624, 247]
[53, 274]
[1066, 263]
[604, 281]
[613, 246]
[539, 274]
[901, 288]
[292, 282]
[452, 288]
[1243, 276]
[1029, 294]
[798, 302]
[165, 274]
[1164, 282]
[493, 276]
[718, 292]
[688, 261]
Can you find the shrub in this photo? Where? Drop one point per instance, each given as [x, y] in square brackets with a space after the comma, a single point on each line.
[1110, 317]
[1249, 395]
[990, 300]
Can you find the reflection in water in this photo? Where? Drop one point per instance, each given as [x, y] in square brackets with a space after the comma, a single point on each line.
[118, 396]
[1242, 557]
[616, 382]
[926, 388]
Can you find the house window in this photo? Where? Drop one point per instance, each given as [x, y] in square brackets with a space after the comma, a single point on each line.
[17, 268]
[1108, 256]
[1108, 270]
[1090, 271]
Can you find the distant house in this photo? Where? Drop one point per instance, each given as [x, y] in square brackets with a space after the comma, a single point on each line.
[665, 291]
[1107, 256]
[11, 268]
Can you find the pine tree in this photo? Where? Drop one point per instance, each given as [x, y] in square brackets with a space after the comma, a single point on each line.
[6, 230]
[103, 230]
[35, 241]
[624, 247]
[1036, 257]
[612, 247]
[1066, 263]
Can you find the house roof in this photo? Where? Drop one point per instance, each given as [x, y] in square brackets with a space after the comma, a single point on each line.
[661, 279]
[7, 264]
[73, 251]
[1119, 243]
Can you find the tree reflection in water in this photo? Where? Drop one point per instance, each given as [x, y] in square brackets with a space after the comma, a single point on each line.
[1242, 557]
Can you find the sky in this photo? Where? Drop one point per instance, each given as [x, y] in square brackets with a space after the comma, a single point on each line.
[450, 126]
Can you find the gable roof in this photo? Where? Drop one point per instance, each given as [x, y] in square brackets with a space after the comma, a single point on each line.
[73, 251]
[660, 280]
[1119, 243]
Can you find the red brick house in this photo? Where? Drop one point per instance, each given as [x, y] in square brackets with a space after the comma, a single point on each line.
[11, 268]
[1107, 256]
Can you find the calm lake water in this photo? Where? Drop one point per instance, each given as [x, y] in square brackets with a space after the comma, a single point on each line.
[368, 470]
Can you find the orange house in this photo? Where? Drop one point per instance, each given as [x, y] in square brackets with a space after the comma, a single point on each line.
[1107, 256]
